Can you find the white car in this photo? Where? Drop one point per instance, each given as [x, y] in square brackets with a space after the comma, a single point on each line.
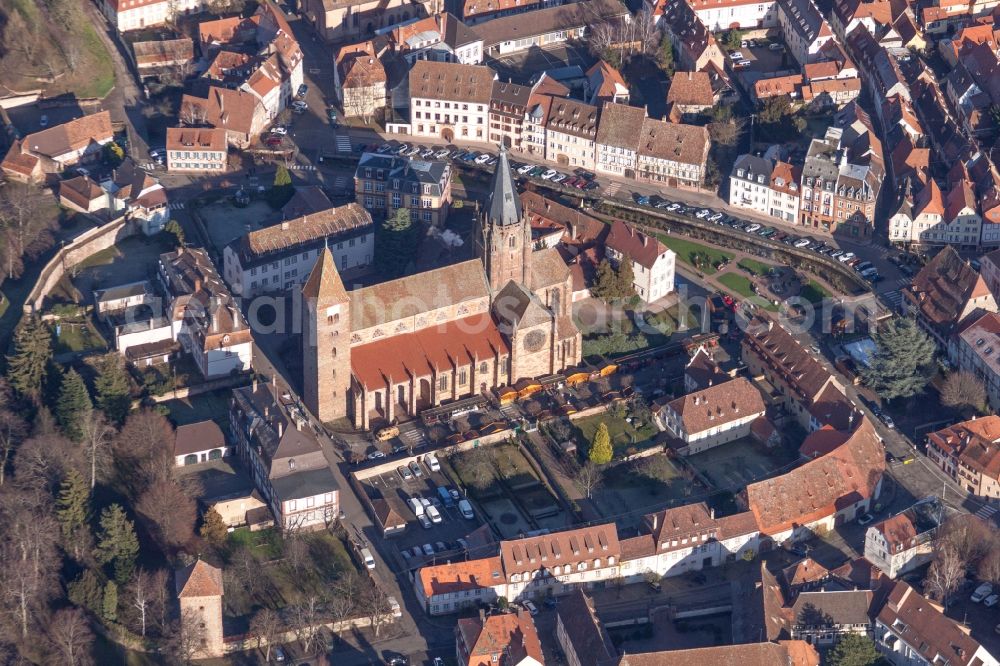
[715, 218]
[280, 130]
[441, 154]
[981, 592]
[847, 256]
[736, 56]
[753, 228]
[558, 178]
[802, 242]
[525, 169]
[775, 46]
[483, 159]
[548, 174]
[299, 105]
[702, 214]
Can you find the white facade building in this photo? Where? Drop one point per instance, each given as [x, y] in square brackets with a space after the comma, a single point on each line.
[452, 112]
[653, 263]
[127, 15]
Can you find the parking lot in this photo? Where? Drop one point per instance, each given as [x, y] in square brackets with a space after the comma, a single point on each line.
[520, 67]
[422, 542]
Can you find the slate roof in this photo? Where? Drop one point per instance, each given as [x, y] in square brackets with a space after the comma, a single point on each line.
[195, 437]
[586, 634]
[503, 206]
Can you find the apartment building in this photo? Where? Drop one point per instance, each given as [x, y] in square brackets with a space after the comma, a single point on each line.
[581, 636]
[543, 93]
[652, 262]
[128, 191]
[740, 14]
[203, 317]
[804, 29]
[359, 80]
[286, 462]
[281, 256]
[750, 183]
[450, 100]
[547, 26]
[196, 150]
[617, 140]
[509, 639]
[348, 21]
[441, 37]
[126, 15]
[385, 183]
[931, 217]
[479, 11]
[784, 197]
[712, 416]
[693, 41]
[508, 105]
[905, 541]
[672, 154]
[969, 452]
[571, 133]
[605, 84]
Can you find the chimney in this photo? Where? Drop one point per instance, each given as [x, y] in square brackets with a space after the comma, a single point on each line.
[482, 616]
[197, 283]
[711, 513]
[284, 225]
[254, 383]
[281, 428]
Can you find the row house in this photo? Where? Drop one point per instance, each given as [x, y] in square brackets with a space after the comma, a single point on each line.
[617, 141]
[690, 95]
[286, 462]
[911, 630]
[359, 80]
[544, 91]
[976, 350]
[694, 43]
[946, 293]
[736, 14]
[385, 183]
[803, 28]
[552, 25]
[450, 101]
[823, 617]
[478, 11]
[979, 33]
[508, 106]
[128, 15]
[350, 21]
[570, 133]
[196, 150]
[847, 15]
[281, 256]
[652, 262]
[932, 218]
[763, 185]
[905, 541]
[973, 89]
[581, 635]
[442, 38]
[969, 452]
[672, 154]
[707, 418]
[51, 150]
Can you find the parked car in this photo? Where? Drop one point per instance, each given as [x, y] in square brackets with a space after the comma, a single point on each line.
[417, 552]
[865, 518]
[375, 455]
[279, 653]
[847, 256]
[441, 547]
[530, 607]
[404, 472]
[303, 89]
[386, 433]
[775, 46]
[537, 171]
[991, 600]
[802, 242]
[331, 115]
[737, 55]
[525, 169]
[366, 557]
[715, 218]
[753, 228]
[299, 106]
[887, 420]
[441, 154]
[741, 64]
[43, 120]
[558, 178]
[428, 549]
[836, 253]
[415, 468]
[483, 159]
[703, 213]
[425, 522]
[548, 173]
[984, 590]
[642, 200]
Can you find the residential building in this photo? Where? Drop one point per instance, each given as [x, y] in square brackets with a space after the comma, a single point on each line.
[570, 133]
[820, 494]
[239, 113]
[350, 21]
[359, 80]
[738, 14]
[581, 636]
[284, 456]
[617, 140]
[196, 149]
[442, 107]
[672, 154]
[384, 184]
[652, 262]
[944, 294]
[750, 183]
[783, 198]
[989, 269]
[968, 452]
[126, 15]
[804, 29]
[441, 37]
[712, 416]
[690, 95]
[128, 191]
[605, 84]
[59, 147]
[694, 43]
[849, 14]
[931, 218]
[791, 653]
[912, 631]
[702, 372]
[281, 256]
[507, 639]
[203, 317]
[199, 442]
[905, 541]
[554, 24]
[543, 93]
[821, 618]
[508, 106]
[163, 56]
[478, 11]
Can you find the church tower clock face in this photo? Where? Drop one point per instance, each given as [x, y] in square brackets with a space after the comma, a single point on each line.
[534, 341]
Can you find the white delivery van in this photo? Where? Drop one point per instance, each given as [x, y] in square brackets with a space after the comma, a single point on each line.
[466, 509]
[418, 508]
[434, 514]
[366, 555]
[432, 462]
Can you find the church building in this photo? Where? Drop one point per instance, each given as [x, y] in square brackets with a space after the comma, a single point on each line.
[385, 352]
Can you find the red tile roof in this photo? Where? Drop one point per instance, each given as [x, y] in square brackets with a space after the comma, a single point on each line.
[637, 246]
[499, 640]
[199, 579]
[460, 576]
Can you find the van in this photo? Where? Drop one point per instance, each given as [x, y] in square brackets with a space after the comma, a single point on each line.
[433, 514]
[387, 433]
[394, 606]
[366, 556]
[445, 496]
[418, 508]
[432, 462]
[466, 508]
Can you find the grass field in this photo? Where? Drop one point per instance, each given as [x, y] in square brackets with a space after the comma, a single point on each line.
[78, 338]
[754, 266]
[667, 321]
[814, 292]
[687, 251]
[741, 286]
[623, 434]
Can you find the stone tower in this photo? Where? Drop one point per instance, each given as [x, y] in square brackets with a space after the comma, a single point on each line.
[199, 593]
[326, 341]
[504, 240]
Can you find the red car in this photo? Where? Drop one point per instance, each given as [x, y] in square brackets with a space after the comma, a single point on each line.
[273, 141]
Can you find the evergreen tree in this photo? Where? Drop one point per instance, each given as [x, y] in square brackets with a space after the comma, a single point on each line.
[604, 286]
[625, 278]
[73, 504]
[903, 361]
[112, 386]
[213, 529]
[666, 55]
[73, 405]
[111, 601]
[117, 543]
[87, 591]
[854, 650]
[281, 191]
[32, 351]
[600, 447]
[174, 229]
[395, 243]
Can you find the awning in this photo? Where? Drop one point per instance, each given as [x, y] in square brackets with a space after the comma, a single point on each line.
[506, 395]
[578, 378]
[609, 369]
[528, 390]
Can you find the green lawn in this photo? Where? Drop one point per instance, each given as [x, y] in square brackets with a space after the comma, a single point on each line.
[667, 321]
[814, 292]
[623, 434]
[742, 286]
[78, 338]
[102, 73]
[754, 266]
[689, 251]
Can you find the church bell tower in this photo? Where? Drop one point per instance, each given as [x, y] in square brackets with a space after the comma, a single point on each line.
[504, 239]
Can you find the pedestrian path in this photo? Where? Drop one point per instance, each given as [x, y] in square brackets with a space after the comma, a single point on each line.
[177, 205]
[301, 167]
[343, 143]
[147, 166]
[894, 298]
[612, 189]
[986, 511]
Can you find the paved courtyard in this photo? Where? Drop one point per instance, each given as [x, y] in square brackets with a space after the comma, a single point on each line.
[733, 465]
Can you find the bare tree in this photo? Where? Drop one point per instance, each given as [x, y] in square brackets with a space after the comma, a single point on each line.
[186, 636]
[160, 597]
[266, 626]
[192, 113]
[588, 478]
[28, 578]
[141, 594]
[305, 617]
[727, 131]
[71, 636]
[26, 223]
[946, 572]
[989, 567]
[963, 390]
[142, 451]
[375, 603]
[171, 512]
[97, 438]
[296, 551]
[968, 535]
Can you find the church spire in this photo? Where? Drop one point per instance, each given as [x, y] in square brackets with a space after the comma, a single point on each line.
[503, 207]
